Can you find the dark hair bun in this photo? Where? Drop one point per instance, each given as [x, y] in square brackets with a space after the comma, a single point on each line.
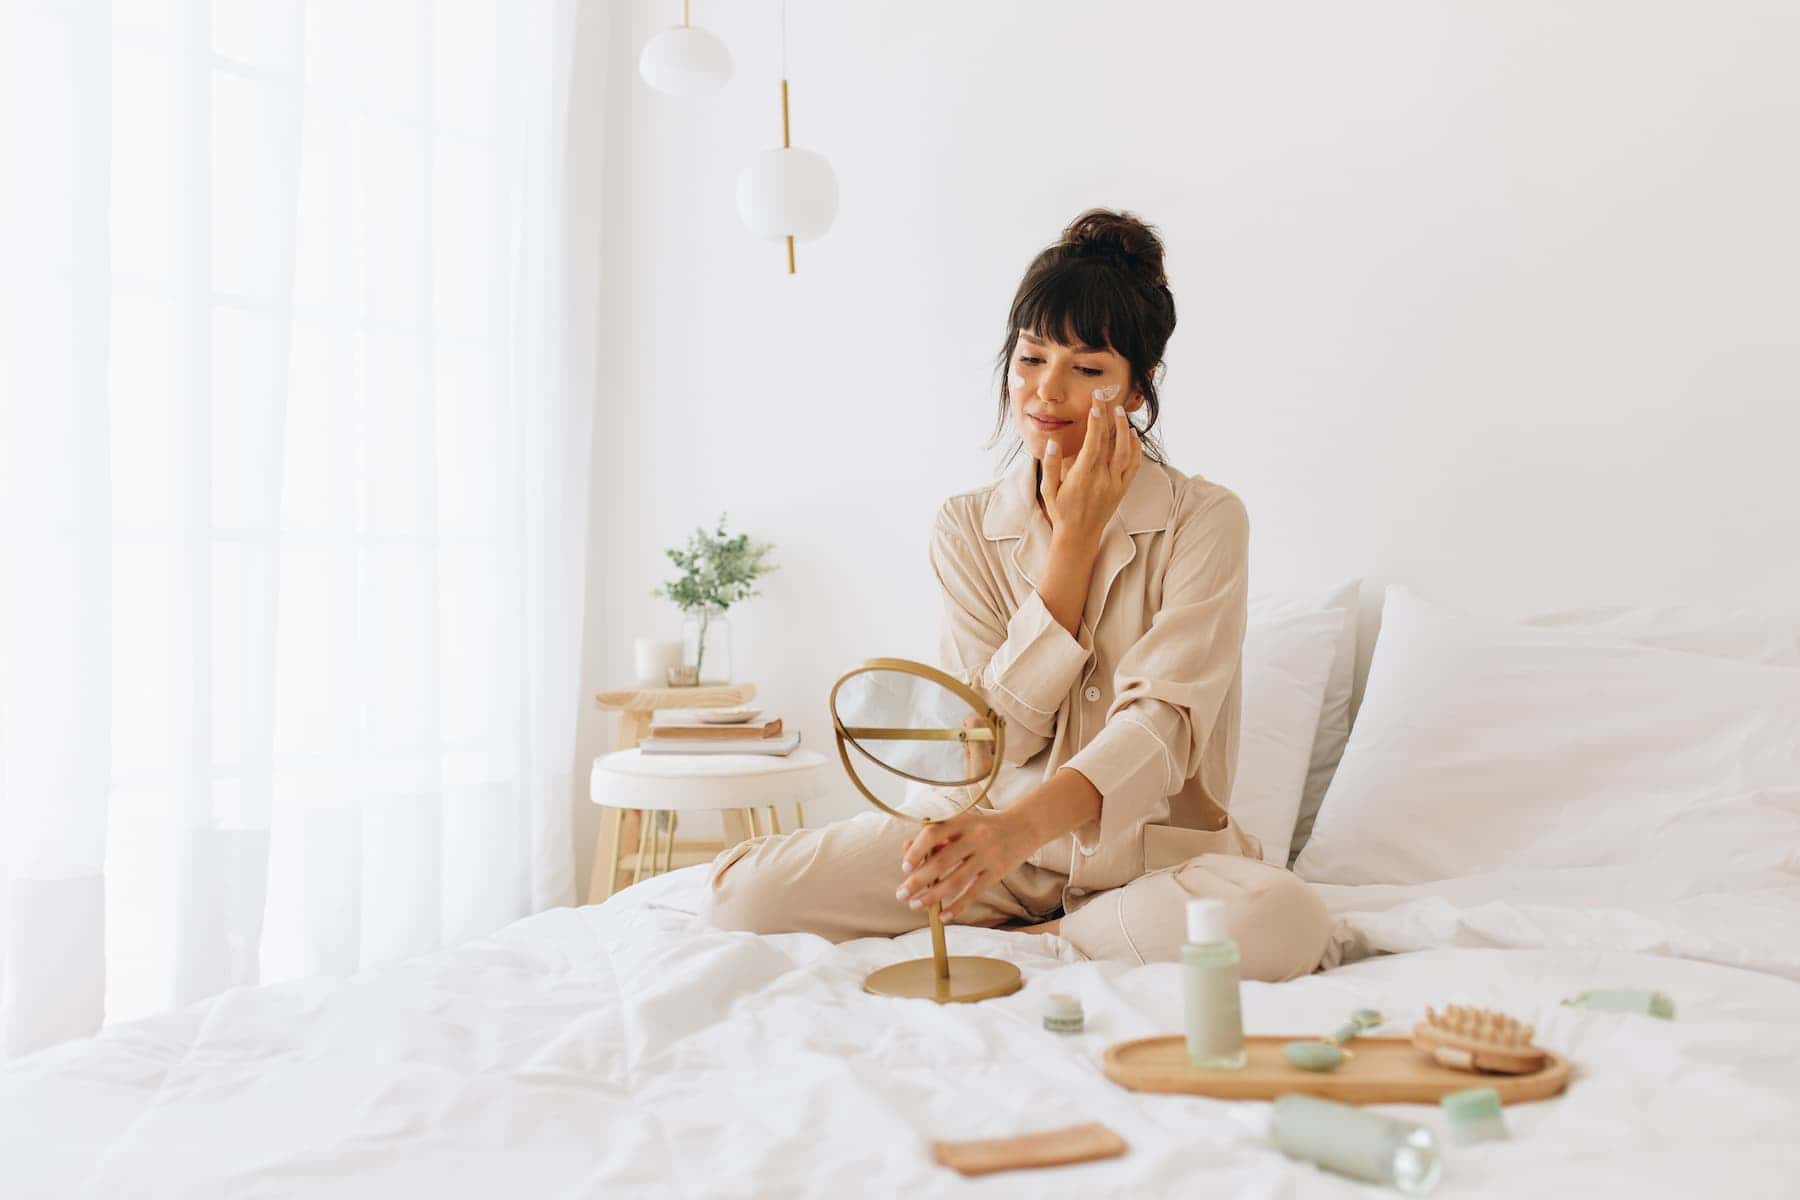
[1102, 232]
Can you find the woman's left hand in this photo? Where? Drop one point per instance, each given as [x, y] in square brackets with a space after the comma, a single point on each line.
[953, 861]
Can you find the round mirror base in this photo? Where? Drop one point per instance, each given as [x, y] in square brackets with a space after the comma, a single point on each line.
[972, 978]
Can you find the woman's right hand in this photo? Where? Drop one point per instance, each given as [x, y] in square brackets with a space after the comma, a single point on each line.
[1081, 496]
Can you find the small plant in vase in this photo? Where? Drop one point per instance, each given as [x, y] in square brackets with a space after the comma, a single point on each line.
[718, 569]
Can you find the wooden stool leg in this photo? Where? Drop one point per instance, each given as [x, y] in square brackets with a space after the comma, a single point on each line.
[648, 824]
[631, 827]
[632, 728]
[669, 848]
[606, 857]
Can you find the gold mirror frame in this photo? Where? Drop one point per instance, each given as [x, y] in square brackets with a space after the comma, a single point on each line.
[945, 979]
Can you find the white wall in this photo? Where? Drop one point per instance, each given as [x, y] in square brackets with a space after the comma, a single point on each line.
[1497, 300]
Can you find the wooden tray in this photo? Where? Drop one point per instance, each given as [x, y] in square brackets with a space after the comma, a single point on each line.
[1386, 1070]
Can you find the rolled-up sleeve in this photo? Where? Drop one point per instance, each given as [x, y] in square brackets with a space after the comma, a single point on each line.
[1170, 689]
[1025, 665]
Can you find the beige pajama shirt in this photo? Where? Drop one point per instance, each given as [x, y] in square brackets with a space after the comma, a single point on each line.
[1144, 702]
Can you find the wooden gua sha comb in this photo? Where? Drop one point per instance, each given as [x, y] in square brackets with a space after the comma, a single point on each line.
[1478, 1039]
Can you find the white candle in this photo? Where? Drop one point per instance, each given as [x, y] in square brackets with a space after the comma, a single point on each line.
[652, 659]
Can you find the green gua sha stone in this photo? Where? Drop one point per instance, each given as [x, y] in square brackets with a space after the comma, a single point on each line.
[1313, 1056]
[1325, 1054]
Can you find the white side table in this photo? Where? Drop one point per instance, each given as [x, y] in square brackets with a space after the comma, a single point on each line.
[635, 706]
[748, 790]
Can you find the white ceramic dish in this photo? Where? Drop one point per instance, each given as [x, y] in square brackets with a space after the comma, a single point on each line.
[727, 716]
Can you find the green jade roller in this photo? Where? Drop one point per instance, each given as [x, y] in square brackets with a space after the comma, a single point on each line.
[1327, 1054]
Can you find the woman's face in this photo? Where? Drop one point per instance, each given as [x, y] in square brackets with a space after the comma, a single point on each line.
[1053, 386]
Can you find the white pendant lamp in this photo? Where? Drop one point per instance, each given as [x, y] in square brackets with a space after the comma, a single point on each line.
[685, 61]
[787, 194]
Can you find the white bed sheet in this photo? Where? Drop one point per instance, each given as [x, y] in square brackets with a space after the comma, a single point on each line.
[627, 1050]
[1751, 921]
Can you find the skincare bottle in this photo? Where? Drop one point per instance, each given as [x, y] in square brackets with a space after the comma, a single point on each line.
[1474, 1115]
[1358, 1143]
[1651, 1004]
[1062, 1014]
[1209, 984]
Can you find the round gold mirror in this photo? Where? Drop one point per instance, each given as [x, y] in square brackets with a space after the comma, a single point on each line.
[895, 719]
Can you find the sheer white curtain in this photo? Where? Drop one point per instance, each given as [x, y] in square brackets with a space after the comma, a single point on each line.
[295, 471]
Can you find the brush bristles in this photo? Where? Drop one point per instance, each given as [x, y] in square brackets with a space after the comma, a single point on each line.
[1480, 1025]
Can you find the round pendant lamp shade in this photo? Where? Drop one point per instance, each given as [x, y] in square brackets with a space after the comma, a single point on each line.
[685, 61]
[787, 192]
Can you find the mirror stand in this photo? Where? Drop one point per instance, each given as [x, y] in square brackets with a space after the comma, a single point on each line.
[963, 979]
[891, 727]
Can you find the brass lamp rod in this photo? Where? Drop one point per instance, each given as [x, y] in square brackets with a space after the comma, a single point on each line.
[786, 144]
[685, 13]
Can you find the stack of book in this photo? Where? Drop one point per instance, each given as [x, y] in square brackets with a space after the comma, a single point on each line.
[683, 731]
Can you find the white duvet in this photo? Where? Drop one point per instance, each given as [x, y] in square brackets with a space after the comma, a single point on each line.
[627, 1050]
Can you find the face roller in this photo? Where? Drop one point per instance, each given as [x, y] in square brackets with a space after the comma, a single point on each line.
[1327, 1053]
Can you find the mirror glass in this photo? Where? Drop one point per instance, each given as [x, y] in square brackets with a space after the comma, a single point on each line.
[909, 724]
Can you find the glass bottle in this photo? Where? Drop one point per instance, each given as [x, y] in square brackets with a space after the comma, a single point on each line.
[1209, 982]
[1357, 1142]
[706, 644]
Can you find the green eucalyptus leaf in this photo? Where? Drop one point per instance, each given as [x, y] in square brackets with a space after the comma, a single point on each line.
[717, 569]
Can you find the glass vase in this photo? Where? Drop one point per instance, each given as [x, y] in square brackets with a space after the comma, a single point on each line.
[706, 644]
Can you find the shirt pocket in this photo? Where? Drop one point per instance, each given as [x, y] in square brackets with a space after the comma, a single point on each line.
[1170, 845]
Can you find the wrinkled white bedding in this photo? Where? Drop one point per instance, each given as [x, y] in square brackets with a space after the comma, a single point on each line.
[1752, 921]
[626, 1050]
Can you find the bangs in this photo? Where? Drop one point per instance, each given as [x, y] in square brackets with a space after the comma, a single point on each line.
[1075, 303]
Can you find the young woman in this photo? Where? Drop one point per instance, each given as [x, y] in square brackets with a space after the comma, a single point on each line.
[1095, 597]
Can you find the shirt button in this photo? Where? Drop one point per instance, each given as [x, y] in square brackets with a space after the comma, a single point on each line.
[1092, 694]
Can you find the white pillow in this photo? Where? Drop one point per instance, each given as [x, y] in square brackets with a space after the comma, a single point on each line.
[1722, 633]
[1486, 746]
[1287, 661]
[1334, 712]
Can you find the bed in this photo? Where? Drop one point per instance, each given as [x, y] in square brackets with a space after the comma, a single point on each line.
[1604, 800]
[626, 1049]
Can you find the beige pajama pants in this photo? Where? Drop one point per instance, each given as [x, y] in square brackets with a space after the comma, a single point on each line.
[838, 881]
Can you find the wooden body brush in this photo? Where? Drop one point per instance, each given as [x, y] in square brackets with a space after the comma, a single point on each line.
[1478, 1039]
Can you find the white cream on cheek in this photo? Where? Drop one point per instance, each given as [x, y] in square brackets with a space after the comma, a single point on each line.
[1016, 381]
[1104, 394]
